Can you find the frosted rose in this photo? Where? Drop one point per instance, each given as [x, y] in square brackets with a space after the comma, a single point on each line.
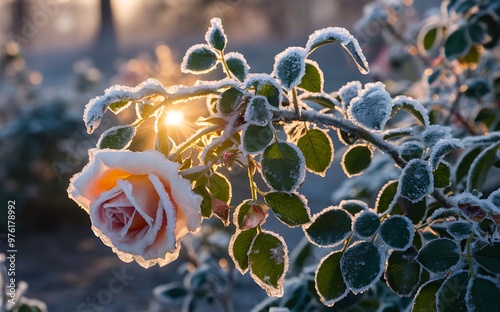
[138, 204]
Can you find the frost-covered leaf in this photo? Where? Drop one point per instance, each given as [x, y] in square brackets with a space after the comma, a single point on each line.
[495, 198]
[489, 257]
[457, 44]
[215, 36]
[199, 59]
[258, 111]
[483, 293]
[267, 86]
[434, 133]
[330, 285]
[291, 209]
[95, 108]
[237, 65]
[317, 148]
[442, 175]
[397, 232]
[118, 137]
[461, 168]
[402, 274]
[416, 180]
[397, 133]
[329, 227]
[413, 107]
[439, 255]
[269, 262]
[290, 66]
[362, 265]
[410, 150]
[348, 42]
[229, 100]
[444, 213]
[372, 107]
[119, 106]
[239, 247]
[425, 299]
[366, 224]
[480, 167]
[283, 166]
[323, 99]
[451, 295]
[348, 92]
[256, 138]
[312, 80]
[353, 206]
[356, 159]
[386, 196]
[484, 140]
[459, 230]
[442, 148]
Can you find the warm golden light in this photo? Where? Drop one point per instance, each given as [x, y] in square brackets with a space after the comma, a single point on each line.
[174, 118]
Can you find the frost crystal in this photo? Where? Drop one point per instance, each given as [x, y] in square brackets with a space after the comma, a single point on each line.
[434, 133]
[95, 108]
[290, 66]
[372, 107]
[349, 92]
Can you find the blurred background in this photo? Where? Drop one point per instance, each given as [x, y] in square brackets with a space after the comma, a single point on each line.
[55, 55]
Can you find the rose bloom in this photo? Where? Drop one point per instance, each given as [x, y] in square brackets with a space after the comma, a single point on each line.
[138, 204]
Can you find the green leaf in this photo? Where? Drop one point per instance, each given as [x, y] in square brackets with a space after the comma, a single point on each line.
[480, 167]
[329, 228]
[459, 230]
[317, 148]
[464, 163]
[410, 150]
[283, 166]
[290, 66]
[397, 232]
[237, 65]
[489, 257]
[322, 99]
[356, 159]
[416, 180]
[217, 186]
[429, 38]
[256, 138]
[425, 299]
[442, 175]
[118, 137]
[386, 196]
[483, 293]
[312, 80]
[271, 92]
[451, 295]
[215, 35]
[457, 44]
[171, 293]
[330, 285]
[403, 272]
[439, 255]
[229, 100]
[366, 224]
[269, 262]
[118, 107]
[239, 247]
[413, 107]
[199, 59]
[361, 266]
[291, 209]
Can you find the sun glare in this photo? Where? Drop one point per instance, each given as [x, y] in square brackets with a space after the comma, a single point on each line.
[174, 118]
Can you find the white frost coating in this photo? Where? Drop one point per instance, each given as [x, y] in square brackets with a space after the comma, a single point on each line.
[402, 101]
[348, 42]
[468, 295]
[434, 133]
[441, 148]
[258, 111]
[325, 301]
[444, 213]
[290, 66]
[348, 92]
[271, 291]
[372, 108]
[216, 25]
[95, 108]
[488, 139]
[495, 198]
[360, 262]
[277, 255]
[189, 51]
[239, 57]
[415, 171]
[357, 202]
